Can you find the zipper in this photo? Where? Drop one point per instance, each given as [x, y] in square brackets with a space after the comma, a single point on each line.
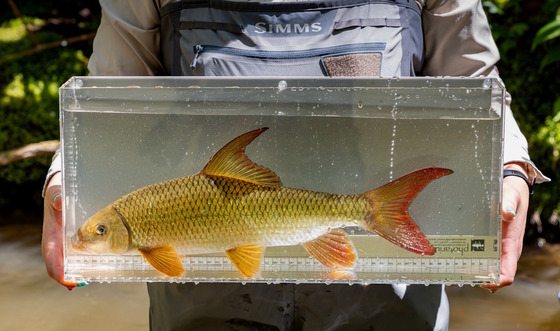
[286, 55]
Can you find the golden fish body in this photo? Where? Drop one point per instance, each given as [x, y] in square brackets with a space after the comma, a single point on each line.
[202, 214]
[238, 207]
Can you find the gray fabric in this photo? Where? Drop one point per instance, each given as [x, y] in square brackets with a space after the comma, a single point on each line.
[296, 307]
[230, 38]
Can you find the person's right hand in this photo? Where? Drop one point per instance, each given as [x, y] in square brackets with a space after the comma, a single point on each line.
[51, 244]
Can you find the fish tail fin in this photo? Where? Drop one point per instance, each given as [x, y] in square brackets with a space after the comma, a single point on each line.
[389, 216]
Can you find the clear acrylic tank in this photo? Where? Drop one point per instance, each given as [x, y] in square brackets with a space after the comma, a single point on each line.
[332, 135]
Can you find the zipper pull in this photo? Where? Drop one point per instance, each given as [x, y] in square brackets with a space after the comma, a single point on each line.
[197, 50]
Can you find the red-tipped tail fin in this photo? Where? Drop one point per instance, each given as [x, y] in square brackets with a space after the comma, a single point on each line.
[389, 216]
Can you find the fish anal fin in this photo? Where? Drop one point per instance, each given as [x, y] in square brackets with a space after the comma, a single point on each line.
[341, 274]
[333, 249]
[164, 259]
[232, 162]
[247, 258]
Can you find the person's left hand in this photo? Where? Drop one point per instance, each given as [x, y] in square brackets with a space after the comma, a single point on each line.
[515, 202]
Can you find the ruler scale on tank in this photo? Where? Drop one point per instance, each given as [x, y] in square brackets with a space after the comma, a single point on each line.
[238, 207]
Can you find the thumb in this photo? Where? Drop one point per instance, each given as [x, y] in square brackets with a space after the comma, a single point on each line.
[51, 243]
[53, 193]
[512, 200]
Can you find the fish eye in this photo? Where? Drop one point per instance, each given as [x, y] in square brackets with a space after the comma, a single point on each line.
[101, 229]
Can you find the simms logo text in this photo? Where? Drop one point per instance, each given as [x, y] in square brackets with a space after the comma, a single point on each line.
[279, 28]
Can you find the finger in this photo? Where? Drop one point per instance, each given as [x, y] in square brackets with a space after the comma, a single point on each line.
[510, 256]
[512, 245]
[514, 212]
[51, 244]
[52, 253]
[508, 266]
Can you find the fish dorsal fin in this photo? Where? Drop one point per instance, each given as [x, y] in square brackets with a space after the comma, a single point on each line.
[333, 249]
[246, 258]
[232, 162]
[164, 259]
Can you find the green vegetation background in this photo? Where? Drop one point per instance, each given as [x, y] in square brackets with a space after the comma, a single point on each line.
[29, 90]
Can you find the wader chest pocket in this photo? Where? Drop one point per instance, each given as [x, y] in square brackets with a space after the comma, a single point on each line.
[342, 60]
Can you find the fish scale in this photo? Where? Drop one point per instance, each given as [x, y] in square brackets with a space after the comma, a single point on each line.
[232, 213]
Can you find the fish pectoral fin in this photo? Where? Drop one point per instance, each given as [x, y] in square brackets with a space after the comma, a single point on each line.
[246, 258]
[333, 249]
[232, 162]
[164, 259]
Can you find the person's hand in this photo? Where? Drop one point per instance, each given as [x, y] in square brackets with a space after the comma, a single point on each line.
[515, 201]
[51, 244]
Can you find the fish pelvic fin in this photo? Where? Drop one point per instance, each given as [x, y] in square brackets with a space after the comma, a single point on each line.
[333, 249]
[389, 217]
[247, 258]
[164, 259]
[232, 162]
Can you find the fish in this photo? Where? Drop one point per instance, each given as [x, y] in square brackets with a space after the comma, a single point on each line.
[239, 207]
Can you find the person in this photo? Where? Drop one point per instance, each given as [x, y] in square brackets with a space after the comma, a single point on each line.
[423, 37]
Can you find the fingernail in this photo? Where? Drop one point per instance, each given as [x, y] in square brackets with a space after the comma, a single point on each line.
[56, 196]
[511, 211]
[81, 284]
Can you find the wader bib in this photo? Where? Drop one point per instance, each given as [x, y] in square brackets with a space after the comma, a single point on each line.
[296, 38]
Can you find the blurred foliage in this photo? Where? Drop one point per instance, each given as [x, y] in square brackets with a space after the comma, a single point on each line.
[549, 32]
[29, 86]
[526, 34]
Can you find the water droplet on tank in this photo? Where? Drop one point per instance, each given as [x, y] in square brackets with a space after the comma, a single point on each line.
[282, 85]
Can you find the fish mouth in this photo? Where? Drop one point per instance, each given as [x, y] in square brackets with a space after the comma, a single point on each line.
[76, 241]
